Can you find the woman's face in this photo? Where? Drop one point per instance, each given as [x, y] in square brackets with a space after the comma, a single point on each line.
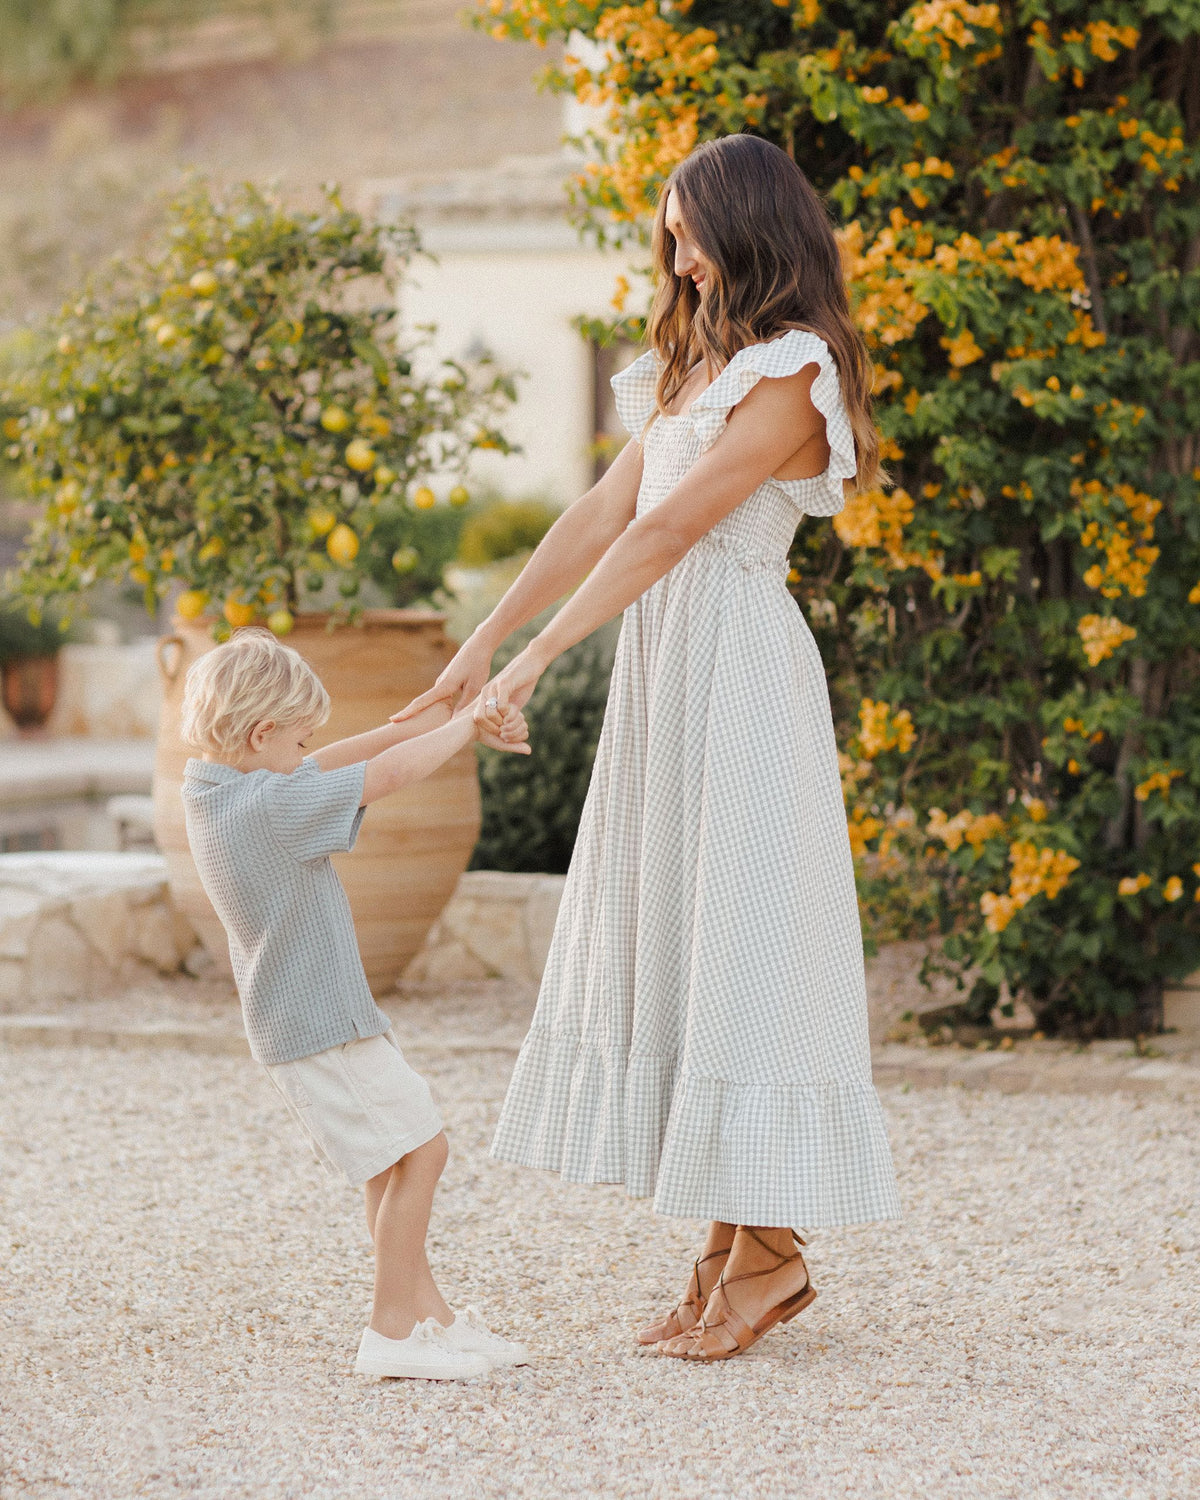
[689, 261]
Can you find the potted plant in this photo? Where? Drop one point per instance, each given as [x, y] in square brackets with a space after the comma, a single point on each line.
[29, 665]
[229, 421]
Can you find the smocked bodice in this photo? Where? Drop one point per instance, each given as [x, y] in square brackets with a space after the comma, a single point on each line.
[758, 534]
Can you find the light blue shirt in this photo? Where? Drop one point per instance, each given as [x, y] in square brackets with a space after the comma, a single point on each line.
[261, 842]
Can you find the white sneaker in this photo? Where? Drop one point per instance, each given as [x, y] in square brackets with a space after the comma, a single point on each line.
[426, 1354]
[471, 1334]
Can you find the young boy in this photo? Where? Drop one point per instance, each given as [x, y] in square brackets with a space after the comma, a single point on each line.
[263, 817]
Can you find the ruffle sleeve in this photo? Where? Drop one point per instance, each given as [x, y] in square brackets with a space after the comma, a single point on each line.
[823, 495]
[633, 390]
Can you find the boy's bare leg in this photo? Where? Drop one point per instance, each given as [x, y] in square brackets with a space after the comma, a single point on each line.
[405, 1291]
[374, 1194]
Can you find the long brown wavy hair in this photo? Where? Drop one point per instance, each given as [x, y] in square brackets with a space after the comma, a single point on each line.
[757, 219]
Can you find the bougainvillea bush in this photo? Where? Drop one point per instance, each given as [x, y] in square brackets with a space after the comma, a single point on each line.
[233, 411]
[1012, 625]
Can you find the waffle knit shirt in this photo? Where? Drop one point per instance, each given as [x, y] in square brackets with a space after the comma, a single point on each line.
[262, 841]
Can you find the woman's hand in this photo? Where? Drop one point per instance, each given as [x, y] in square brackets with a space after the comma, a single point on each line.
[513, 736]
[459, 682]
[511, 688]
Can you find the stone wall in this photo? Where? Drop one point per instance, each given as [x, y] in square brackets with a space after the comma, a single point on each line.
[108, 692]
[75, 925]
[496, 925]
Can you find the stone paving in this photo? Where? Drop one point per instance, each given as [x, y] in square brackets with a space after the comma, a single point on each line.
[184, 1291]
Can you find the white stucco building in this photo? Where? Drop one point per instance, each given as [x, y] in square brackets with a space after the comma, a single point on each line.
[512, 275]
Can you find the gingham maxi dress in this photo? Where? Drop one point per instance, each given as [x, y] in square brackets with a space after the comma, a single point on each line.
[701, 1030]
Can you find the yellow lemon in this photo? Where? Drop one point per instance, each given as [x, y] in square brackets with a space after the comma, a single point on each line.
[376, 425]
[384, 476]
[212, 548]
[280, 622]
[190, 605]
[167, 561]
[321, 522]
[12, 429]
[167, 334]
[360, 455]
[137, 552]
[139, 574]
[68, 495]
[459, 495]
[424, 498]
[405, 559]
[238, 612]
[334, 419]
[342, 545]
[203, 283]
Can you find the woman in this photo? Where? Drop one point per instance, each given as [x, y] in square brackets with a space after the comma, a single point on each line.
[701, 1032]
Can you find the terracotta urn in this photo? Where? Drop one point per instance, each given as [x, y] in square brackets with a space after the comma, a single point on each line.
[30, 689]
[412, 847]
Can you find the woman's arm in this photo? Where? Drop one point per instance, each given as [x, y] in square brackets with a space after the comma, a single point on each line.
[569, 550]
[402, 765]
[358, 747]
[764, 430]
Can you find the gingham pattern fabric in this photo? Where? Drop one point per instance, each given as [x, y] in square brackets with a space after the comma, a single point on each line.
[701, 1030]
[261, 842]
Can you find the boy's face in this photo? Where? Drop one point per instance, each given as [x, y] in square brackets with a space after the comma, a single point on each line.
[276, 747]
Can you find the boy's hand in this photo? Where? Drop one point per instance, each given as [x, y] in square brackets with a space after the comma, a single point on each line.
[513, 734]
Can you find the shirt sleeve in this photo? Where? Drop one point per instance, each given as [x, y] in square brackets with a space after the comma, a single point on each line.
[314, 813]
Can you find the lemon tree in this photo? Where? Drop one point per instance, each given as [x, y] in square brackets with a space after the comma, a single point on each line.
[1013, 625]
[233, 411]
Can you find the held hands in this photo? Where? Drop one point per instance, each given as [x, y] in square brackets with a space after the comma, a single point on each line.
[509, 691]
[512, 733]
[459, 683]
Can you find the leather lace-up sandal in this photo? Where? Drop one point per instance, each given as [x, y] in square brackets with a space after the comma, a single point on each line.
[686, 1314]
[730, 1335]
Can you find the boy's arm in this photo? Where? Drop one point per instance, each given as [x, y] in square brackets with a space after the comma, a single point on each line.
[401, 765]
[366, 746]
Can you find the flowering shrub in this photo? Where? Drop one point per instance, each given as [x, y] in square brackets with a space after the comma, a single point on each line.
[1016, 620]
[234, 412]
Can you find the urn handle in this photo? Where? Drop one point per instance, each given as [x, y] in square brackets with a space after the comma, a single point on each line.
[168, 651]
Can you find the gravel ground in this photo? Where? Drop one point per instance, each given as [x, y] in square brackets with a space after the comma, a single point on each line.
[185, 1291]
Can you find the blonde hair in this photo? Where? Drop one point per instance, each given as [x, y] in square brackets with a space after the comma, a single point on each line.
[249, 679]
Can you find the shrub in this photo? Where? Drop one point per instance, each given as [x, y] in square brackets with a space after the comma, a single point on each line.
[503, 528]
[22, 637]
[233, 410]
[1012, 629]
[531, 804]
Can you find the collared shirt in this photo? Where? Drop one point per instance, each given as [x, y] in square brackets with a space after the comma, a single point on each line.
[261, 841]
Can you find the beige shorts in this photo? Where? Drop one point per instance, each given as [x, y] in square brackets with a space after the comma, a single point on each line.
[360, 1105]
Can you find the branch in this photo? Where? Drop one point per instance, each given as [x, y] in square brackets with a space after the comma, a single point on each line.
[1091, 271]
[1114, 829]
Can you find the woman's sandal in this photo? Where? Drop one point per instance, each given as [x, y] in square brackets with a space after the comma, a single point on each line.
[685, 1315]
[708, 1341]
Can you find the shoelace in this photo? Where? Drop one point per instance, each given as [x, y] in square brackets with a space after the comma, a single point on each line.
[479, 1328]
[426, 1333]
